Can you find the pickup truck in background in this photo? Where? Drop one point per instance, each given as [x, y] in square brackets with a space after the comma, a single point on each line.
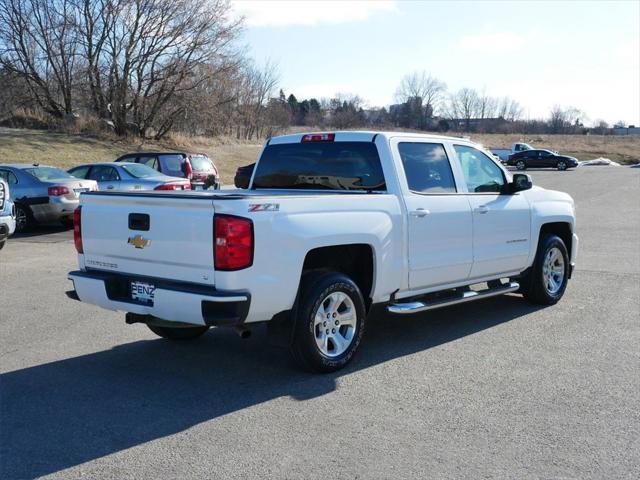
[332, 224]
[504, 153]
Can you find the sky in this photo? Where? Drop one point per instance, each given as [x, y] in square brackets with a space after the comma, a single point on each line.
[569, 53]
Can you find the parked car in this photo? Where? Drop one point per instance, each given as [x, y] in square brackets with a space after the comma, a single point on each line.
[43, 194]
[127, 176]
[243, 176]
[196, 167]
[332, 225]
[503, 153]
[7, 213]
[541, 159]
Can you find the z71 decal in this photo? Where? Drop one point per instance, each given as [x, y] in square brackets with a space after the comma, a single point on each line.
[264, 207]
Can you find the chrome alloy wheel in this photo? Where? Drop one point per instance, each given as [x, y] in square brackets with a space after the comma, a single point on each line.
[553, 271]
[335, 324]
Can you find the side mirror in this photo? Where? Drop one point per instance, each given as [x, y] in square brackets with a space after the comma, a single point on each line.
[520, 182]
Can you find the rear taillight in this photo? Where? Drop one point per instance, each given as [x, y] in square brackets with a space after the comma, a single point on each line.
[77, 229]
[233, 237]
[57, 191]
[319, 137]
[188, 169]
[174, 186]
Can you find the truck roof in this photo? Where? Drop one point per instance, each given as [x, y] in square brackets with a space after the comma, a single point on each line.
[359, 136]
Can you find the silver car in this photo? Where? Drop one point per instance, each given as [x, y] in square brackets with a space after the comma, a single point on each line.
[128, 176]
[43, 194]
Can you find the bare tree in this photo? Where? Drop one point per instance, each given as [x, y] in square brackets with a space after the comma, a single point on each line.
[564, 119]
[38, 43]
[421, 85]
[463, 105]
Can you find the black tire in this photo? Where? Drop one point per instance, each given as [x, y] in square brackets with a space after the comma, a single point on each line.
[24, 218]
[561, 165]
[314, 294]
[521, 165]
[2, 243]
[178, 333]
[533, 285]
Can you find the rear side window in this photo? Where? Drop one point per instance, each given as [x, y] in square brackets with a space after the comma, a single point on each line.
[102, 173]
[427, 167]
[8, 176]
[201, 163]
[151, 162]
[320, 165]
[80, 172]
[172, 165]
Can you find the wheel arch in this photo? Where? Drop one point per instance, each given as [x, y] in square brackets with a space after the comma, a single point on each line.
[562, 230]
[355, 260]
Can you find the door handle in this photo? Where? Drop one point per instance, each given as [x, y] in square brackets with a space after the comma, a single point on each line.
[420, 212]
[482, 209]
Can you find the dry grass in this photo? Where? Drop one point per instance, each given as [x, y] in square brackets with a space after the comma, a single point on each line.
[66, 150]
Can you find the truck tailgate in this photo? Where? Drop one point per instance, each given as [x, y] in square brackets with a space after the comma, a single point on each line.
[160, 235]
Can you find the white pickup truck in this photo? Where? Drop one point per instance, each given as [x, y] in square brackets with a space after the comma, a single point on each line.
[331, 225]
[504, 153]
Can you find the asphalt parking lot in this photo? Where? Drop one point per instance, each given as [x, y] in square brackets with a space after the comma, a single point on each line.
[493, 389]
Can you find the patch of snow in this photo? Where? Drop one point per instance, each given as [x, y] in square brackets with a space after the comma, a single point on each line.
[599, 161]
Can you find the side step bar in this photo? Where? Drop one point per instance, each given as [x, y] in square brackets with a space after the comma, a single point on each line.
[468, 296]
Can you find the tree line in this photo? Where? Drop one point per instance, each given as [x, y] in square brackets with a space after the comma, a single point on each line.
[148, 67]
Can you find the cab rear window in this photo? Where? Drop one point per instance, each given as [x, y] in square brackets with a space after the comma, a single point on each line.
[320, 166]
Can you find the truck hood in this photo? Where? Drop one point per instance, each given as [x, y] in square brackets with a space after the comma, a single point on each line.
[538, 194]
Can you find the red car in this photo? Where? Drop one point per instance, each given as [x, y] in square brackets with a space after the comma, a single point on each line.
[195, 166]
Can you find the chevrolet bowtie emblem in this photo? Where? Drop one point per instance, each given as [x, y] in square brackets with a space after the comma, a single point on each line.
[139, 241]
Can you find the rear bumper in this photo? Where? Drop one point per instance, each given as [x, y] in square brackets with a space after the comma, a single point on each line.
[7, 226]
[173, 301]
[56, 208]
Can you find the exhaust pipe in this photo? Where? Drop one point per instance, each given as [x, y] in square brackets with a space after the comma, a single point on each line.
[243, 332]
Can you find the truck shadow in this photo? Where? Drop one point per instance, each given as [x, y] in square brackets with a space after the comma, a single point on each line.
[65, 413]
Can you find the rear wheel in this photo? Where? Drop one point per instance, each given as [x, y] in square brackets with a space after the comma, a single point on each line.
[2, 244]
[562, 165]
[329, 322]
[546, 282]
[521, 165]
[24, 219]
[178, 333]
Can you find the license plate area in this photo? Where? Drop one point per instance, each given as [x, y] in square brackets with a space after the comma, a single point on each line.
[142, 292]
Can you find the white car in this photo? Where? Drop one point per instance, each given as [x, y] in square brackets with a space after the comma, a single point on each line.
[7, 213]
[331, 225]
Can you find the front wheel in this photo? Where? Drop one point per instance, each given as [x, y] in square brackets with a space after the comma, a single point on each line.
[562, 165]
[329, 320]
[178, 333]
[547, 280]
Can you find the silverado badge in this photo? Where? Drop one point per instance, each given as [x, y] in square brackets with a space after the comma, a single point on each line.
[139, 241]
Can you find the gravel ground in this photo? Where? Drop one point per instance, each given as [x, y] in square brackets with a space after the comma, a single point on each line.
[493, 389]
